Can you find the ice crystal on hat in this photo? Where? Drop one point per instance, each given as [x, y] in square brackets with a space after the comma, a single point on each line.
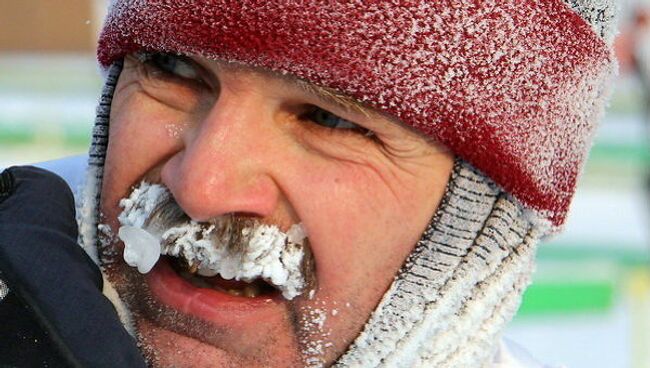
[601, 14]
[513, 87]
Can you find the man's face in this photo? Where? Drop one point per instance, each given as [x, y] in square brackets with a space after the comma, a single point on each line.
[231, 140]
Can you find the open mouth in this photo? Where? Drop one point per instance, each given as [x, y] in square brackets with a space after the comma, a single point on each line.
[224, 282]
[247, 289]
[226, 304]
[238, 256]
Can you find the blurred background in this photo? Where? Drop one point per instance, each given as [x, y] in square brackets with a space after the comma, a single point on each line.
[589, 305]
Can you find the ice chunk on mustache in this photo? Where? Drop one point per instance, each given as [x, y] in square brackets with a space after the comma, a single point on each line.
[259, 250]
[141, 249]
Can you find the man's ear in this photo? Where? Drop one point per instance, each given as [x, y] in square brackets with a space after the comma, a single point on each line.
[600, 14]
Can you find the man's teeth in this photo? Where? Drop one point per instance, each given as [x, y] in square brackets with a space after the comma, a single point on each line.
[206, 272]
[191, 273]
[193, 268]
[250, 291]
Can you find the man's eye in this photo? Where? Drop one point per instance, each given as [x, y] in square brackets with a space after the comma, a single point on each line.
[171, 65]
[327, 119]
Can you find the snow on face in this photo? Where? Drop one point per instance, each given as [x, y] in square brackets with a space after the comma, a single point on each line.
[152, 224]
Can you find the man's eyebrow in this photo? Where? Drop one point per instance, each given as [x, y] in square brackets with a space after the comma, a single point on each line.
[331, 97]
[325, 95]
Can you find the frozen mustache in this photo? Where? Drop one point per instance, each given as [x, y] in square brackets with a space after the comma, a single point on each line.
[231, 246]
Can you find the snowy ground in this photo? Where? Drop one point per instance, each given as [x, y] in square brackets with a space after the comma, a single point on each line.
[46, 112]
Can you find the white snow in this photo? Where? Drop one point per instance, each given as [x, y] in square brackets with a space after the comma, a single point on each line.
[142, 201]
[313, 320]
[141, 249]
[268, 253]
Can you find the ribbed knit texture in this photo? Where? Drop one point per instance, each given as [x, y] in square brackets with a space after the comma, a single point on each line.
[601, 14]
[88, 214]
[461, 285]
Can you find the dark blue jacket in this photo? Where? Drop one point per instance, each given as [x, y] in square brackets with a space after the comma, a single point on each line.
[52, 310]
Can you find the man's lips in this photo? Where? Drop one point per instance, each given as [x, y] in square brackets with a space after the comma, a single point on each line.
[175, 317]
[210, 304]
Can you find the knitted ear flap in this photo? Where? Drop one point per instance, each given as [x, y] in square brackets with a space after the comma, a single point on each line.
[459, 287]
[601, 14]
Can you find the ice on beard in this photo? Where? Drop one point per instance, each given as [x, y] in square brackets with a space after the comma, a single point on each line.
[141, 249]
[270, 253]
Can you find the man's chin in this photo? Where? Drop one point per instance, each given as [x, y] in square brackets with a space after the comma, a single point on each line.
[179, 324]
[164, 348]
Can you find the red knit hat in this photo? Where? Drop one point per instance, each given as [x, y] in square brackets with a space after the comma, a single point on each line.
[514, 87]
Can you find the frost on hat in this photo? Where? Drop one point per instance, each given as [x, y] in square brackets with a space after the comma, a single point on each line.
[514, 87]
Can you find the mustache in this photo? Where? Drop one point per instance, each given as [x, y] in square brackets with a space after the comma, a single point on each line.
[232, 232]
[229, 228]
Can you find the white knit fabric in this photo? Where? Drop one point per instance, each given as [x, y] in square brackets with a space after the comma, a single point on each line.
[88, 212]
[461, 285]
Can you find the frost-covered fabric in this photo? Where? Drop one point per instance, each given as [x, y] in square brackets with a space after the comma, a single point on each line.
[88, 212]
[4, 289]
[601, 14]
[460, 286]
[514, 87]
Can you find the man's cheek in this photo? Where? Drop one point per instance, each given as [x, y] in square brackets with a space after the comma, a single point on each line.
[141, 143]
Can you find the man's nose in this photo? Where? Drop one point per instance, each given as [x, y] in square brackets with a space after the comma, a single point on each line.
[225, 164]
